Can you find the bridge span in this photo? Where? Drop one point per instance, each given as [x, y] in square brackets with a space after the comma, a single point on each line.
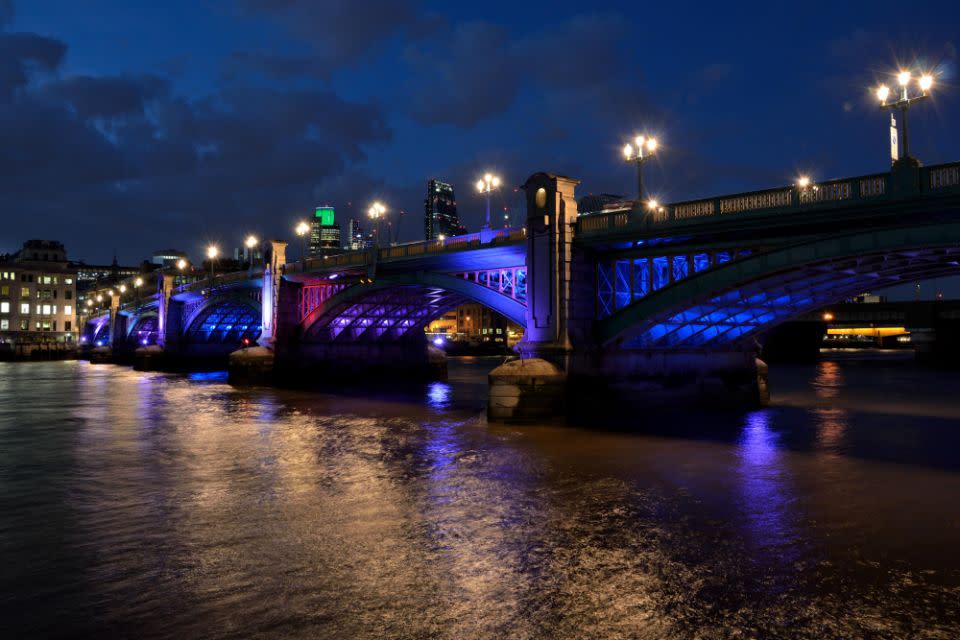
[654, 303]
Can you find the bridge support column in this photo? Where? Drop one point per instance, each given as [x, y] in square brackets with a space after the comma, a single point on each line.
[534, 387]
[255, 365]
[101, 354]
[153, 357]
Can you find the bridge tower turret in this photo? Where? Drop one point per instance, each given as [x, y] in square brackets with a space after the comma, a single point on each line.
[272, 275]
[534, 386]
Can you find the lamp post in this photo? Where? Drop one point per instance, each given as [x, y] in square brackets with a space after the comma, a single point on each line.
[302, 229]
[212, 253]
[486, 186]
[645, 148]
[250, 243]
[904, 102]
[376, 212]
[136, 287]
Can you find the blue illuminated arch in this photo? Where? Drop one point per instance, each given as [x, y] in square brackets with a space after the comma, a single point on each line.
[730, 304]
[396, 307]
[225, 320]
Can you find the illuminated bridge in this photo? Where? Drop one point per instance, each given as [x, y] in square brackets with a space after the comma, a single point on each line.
[672, 298]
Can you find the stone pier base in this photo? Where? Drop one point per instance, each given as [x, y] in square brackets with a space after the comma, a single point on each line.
[526, 390]
[150, 358]
[619, 382]
[251, 366]
[101, 355]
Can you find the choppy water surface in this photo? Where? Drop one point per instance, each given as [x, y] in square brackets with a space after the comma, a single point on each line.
[148, 505]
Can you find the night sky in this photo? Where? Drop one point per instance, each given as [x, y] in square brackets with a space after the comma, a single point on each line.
[129, 125]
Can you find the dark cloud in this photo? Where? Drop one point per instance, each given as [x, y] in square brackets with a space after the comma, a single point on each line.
[92, 156]
[24, 54]
[342, 32]
[240, 64]
[483, 69]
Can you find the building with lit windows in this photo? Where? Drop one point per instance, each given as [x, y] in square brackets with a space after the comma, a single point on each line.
[440, 212]
[168, 257]
[355, 239]
[38, 300]
[324, 232]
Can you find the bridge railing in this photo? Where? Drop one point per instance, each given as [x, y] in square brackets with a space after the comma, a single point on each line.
[218, 281]
[769, 201]
[363, 257]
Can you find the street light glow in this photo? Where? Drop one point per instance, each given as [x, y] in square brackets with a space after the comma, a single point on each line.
[903, 78]
[883, 92]
[251, 241]
[181, 264]
[803, 182]
[376, 210]
[926, 82]
[627, 151]
[212, 251]
[123, 288]
[479, 185]
[302, 228]
[138, 282]
[639, 140]
[489, 183]
[652, 204]
[651, 144]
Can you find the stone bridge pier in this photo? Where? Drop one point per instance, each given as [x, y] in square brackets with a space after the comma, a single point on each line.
[564, 369]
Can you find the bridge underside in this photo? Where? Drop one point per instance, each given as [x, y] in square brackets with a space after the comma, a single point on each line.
[396, 313]
[731, 317]
[229, 322]
[145, 331]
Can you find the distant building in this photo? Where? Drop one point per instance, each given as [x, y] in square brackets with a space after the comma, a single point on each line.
[355, 239]
[90, 276]
[602, 203]
[324, 232]
[167, 257]
[38, 297]
[244, 255]
[440, 212]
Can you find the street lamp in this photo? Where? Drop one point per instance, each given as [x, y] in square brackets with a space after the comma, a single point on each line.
[136, 286]
[486, 187]
[301, 230]
[212, 253]
[181, 264]
[376, 212]
[250, 243]
[904, 102]
[645, 148]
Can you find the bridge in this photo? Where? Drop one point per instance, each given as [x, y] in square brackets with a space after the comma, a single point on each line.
[658, 303]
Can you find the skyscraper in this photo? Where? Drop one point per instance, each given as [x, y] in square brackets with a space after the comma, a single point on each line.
[440, 212]
[324, 232]
[355, 239]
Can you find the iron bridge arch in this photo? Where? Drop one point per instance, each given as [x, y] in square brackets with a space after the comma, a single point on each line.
[229, 319]
[730, 304]
[399, 307]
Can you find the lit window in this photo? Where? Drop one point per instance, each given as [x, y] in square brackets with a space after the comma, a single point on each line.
[24, 292]
[68, 281]
[5, 290]
[67, 310]
[4, 324]
[46, 310]
[4, 307]
[25, 308]
[24, 325]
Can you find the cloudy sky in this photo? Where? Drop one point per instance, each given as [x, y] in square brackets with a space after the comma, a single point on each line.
[134, 125]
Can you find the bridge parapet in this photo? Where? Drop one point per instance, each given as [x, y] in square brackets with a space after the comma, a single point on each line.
[934, 181]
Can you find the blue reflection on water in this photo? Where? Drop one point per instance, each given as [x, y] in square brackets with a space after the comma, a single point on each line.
[767, 494]
[208, 376]
[438, 395]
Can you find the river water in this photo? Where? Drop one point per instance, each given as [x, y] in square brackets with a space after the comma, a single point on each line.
[147, 505]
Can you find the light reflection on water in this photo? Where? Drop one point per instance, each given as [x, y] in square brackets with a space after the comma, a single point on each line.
[148, 505]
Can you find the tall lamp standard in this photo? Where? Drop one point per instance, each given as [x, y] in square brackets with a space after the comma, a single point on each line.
[302, 229]
[645, 148]
[376, 212]
[212, 253]
[136, 288]
[905, 101]
[250, 243]
[486, 187]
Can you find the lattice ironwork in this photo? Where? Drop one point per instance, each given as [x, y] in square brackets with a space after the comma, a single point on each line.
[385, 314]
[230, 321]
[314, 295]
[508, 281]
[736, 315]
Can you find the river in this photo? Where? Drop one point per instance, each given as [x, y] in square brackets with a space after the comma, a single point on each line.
[148, 505]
